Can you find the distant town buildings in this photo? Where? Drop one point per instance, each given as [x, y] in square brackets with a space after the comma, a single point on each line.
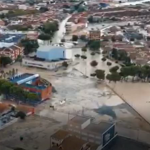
[13, 52]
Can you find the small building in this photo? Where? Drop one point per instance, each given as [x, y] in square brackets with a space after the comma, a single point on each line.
[58, 137]
[79, 122]
[33, 83]
[51, 52]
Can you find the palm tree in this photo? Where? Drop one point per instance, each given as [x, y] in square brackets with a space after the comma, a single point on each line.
[16, 72]
[13, 72]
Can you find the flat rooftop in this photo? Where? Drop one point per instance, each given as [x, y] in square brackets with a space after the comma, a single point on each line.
[20, 77]
[77, 120]
[123, 143]
[23, 80]
[97, 128]
[60, 135]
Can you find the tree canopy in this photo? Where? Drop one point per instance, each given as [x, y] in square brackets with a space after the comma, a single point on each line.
[4, 61]
[11, 90]
[94, 45]
[94, 63]
[29, 45]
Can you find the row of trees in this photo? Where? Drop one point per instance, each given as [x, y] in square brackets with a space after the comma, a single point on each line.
[13, 91]
[140, 73]
[8, 74]
[121, 55]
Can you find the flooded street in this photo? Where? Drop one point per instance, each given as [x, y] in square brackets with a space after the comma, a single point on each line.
[102, 102]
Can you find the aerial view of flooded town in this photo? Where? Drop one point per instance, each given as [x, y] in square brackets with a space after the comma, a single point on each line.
[75, 75]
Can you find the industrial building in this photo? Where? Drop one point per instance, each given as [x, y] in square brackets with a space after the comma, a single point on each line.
[33, 83]
[51, 52]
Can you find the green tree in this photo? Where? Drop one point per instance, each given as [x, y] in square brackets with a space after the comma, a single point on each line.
[77, 55]
[92, 53]
[21, 115]
[4, 61]
[109, 63]
[90, 19]
[93, 74]
[84, 49]
[50, 27]
[114, 69]
[94, 45]
[94, 63]
[100, 74]
[5, 86]
[113, 77]
[103, 59]
[65, 64]
[29, 45]
[44, 37]
[114, 53]
[83, 57]
[74, 38]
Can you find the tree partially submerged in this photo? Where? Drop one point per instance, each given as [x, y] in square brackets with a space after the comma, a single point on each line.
[100, 74]
[77, 55]
[4, 61]
[65, 64]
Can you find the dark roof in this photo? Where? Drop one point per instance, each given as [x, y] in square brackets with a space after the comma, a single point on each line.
[123, 143]
[60, 135]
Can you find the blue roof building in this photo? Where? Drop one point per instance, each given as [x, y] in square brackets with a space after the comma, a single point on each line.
[51, 52]
[11, 38]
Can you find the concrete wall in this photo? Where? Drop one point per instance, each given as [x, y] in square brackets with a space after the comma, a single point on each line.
[45, 65]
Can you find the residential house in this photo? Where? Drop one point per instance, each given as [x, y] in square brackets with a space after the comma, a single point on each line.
[13, 52]
[58, 137]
